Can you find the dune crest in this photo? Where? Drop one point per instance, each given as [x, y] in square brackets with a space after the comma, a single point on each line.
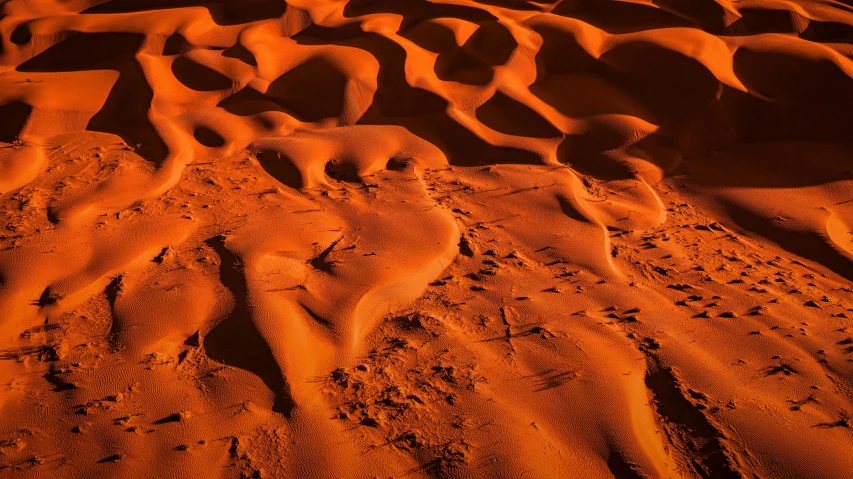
[426, 238]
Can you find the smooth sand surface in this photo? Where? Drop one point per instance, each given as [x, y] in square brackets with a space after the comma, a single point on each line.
[410, 238]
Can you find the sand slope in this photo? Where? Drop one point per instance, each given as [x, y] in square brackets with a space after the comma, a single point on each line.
[411, 238]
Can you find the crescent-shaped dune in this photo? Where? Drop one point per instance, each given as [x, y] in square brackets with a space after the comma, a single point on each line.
[426, 238]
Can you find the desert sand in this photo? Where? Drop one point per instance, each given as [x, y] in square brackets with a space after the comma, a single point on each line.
[411, 238]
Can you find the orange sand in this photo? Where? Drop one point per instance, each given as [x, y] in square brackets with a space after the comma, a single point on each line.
[411, 238]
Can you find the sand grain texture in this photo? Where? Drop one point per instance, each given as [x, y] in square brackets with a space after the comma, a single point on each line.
[411, 238]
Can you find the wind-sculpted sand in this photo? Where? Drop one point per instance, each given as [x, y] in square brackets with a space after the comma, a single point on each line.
[411, 238]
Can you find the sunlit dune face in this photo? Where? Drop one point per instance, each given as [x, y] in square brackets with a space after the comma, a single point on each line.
[320, 238]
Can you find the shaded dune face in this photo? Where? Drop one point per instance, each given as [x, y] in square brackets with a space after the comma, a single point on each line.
[364, 238]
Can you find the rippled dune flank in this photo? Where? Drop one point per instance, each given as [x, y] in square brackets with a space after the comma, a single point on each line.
[411, 238]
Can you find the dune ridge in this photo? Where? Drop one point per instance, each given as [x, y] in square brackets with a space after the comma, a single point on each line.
[426, 238]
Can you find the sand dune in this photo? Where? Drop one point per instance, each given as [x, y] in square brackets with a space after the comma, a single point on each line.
[412, 238]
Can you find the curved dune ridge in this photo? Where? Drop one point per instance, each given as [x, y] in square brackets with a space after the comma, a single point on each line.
[412, 238]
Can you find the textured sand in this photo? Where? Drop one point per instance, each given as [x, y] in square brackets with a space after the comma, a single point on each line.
[411, 238]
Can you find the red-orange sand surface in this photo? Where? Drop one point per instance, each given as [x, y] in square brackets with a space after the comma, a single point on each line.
[412, 238]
